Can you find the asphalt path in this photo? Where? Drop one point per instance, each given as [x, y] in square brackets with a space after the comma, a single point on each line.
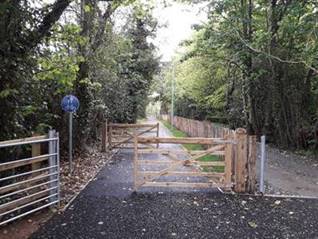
[108, 208]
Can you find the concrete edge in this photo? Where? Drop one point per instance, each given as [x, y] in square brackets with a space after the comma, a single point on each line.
[272, 195]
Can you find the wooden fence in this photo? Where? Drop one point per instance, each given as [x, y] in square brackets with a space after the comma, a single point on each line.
[244, 153]
[196, 128]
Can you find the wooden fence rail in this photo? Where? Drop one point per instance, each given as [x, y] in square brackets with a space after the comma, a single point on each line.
[116, 135]
[243, 154]
[196, 128]
[238, 152]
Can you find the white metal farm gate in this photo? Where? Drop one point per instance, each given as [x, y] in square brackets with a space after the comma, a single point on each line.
[30, 184]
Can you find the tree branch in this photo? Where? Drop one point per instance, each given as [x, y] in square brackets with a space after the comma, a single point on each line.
[98, 39]
[48, 21]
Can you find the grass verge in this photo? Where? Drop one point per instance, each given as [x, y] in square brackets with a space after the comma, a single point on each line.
[208, 158]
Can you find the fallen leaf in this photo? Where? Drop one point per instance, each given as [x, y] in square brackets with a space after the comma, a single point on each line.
[252, 224]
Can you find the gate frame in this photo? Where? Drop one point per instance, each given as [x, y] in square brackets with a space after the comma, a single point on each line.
[109, 129]
[240, 157]
[219, 147]
[50, 195]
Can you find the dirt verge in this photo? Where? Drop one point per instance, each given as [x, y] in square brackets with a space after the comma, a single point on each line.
[85, 169]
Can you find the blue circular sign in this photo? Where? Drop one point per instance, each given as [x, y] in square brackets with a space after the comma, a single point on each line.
[70, 103]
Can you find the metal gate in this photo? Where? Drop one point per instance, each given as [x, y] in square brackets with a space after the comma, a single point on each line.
[30, 184]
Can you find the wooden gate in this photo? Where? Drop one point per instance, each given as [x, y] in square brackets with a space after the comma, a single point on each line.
[228, 162]
[121, 135]
[204, 168]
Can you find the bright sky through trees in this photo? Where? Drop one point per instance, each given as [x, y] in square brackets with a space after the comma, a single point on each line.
[178, 18]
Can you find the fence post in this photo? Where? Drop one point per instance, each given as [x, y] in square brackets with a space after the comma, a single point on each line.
[110, 132]
[36, 151]
[52, 159]
[228, 161]
[157, 134]
[251, 164]
[104, 137]
[241, 161]
[263, 156]
[135, 160]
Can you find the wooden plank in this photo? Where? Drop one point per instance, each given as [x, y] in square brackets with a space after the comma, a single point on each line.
[188, 162]
[132, 147]
[125, 126]
[212, 163]
[251, 165]
[23, 140]
[207, 152]
[19, 163]
[156, 161]
[151, 131]
[104, 136]
[157, 134]
[135, 162]
[20, 184]
[178, 152]
[160, 173]
[181, 173]
[172, 140]
[127, 140]
[36, 151]
[185, 185]
[21, 201]
[228, 162]
[241, 162]
[142, 132]
[110, 137]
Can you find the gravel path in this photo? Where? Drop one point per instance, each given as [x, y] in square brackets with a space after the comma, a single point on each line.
[108, 208]
[184, 215]
[290, 174]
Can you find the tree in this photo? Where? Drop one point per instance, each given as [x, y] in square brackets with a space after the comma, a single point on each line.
[265, 51]
[22, 28]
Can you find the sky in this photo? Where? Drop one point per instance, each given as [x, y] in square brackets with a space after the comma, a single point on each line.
[179, 18]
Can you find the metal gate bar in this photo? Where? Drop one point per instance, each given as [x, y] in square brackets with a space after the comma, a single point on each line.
[25, 190]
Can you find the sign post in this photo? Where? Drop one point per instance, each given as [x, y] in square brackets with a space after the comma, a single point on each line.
[70, 104]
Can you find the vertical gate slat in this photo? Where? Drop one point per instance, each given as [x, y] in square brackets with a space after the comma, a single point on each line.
[241, 161]
[135, 160]
[228, 162]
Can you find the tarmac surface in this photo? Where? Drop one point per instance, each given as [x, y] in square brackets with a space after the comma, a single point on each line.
[108, 208]
[94, 214]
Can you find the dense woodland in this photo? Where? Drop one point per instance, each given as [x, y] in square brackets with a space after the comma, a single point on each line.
[96, 50]
[254, 64]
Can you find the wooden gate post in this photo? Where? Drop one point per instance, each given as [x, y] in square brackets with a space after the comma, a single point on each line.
[104, 137]
[110, 132]
[135, 159]
[157, 134]
[228, 161]
[251, 164]
[36, 151]
[241, 161]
